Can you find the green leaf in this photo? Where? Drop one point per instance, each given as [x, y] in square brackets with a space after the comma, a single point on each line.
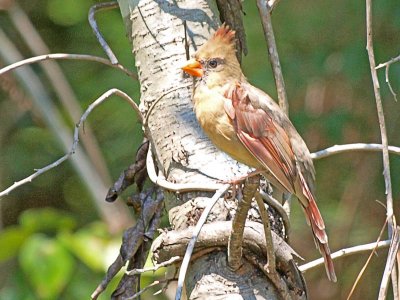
[47, 265]
[46, 219]
[11, 240]
[90, 245]
[67, 13]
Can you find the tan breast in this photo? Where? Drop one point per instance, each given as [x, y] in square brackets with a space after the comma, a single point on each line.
[210, 112]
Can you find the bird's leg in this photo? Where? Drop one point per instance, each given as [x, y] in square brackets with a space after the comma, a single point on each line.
[237, 182]
[240, 179]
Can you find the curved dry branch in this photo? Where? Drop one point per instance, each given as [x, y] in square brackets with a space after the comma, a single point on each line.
[235, 251]
[387, 67]
[345, 252]
[337, 149]
[28, 32]
[265, 13]
[275, 204]
[91, 107]
[92, 21]
[67, 56]
[160, 180]
[381, 117]
[190, 246]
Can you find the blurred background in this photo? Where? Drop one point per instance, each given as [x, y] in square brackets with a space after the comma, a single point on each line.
[56, 240]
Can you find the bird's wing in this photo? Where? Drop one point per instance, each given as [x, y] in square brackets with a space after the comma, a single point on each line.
[268, 134]
[260, 132]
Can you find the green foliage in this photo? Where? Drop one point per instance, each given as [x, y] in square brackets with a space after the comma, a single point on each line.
[67, 13]
[11, 240]
[48, 266]
[55, 259]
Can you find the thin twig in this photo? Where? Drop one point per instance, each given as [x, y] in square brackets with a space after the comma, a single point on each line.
[147, 288]
[271, 268]
[385, 64]
[271, 201]
[92, 21]
[367, 262]
[345, 252]
[265, 14]
[92, 106]
[387, 79]
[235, 243]
[176, 187]
[67, 56]
[155, 267]
[186, 259]
[394, 247]
[353, 147]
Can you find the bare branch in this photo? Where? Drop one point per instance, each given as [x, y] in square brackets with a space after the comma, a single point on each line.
[203, 218]
[394, 247]
[386, 162]
[367, 262]
[155, 267]
[389, 84]
[92, 106]
[345, 252]
[265, 14]
[175, 187]
[385, 64]
[353, 147]
[92, 21]
[67, 56]
[216, 235]
[62, 88]
[271, 266]
[271, 201]
[166, 281]
[381, 117]
[235, 243]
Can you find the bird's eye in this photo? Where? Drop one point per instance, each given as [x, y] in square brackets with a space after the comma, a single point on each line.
[213, 63]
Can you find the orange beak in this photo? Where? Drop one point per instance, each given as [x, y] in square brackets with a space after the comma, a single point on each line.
[193, 67]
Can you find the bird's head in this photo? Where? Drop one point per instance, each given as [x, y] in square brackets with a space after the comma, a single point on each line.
[215, 62]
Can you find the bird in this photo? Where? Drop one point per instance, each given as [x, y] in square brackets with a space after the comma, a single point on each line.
[247, 124]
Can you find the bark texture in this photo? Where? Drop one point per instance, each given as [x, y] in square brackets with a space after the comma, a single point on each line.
[182, 151]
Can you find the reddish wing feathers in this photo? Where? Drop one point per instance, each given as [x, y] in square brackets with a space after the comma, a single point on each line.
[267, 141]
[270, 144]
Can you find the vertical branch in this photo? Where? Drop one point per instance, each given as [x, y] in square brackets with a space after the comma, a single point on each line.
[385, 152]
[265, 13]
[381, 117]
[239, 221]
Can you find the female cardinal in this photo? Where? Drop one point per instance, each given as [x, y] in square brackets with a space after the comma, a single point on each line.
[247, 124]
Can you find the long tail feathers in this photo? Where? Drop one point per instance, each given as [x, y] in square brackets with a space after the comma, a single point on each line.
[320, 237]
[316, 222]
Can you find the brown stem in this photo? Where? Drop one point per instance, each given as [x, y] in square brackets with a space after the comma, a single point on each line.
[273, 54]
[239, 221]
